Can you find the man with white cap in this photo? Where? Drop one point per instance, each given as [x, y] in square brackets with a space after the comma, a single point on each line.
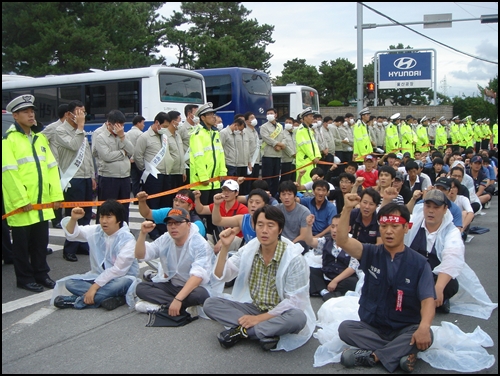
[307, 147]
[392, 141]
[207, 158]
[362, 142]
[422, 144]
[455, 135]
[478, 134]
[29, 176]
[485, 142]
[441, 136]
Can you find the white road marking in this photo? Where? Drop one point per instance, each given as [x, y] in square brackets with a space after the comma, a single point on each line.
[37, 316]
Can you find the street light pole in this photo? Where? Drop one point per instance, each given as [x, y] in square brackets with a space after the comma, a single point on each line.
[359, 92]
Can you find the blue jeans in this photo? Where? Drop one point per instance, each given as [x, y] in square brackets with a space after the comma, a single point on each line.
[115, 287]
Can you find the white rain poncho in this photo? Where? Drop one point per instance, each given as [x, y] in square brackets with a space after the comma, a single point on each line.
[471, 299]
[451, 350]
[115, 251]
[292, 283]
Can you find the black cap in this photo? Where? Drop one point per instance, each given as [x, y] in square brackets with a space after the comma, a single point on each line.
[443, 182]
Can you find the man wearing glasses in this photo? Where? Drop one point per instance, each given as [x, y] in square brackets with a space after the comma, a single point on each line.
[77, 170]
[186, 258]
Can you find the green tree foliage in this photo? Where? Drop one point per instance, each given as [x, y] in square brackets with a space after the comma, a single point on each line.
[56, 38]
[477, 107]
[338, 80]
[221, 36]
[298, 71]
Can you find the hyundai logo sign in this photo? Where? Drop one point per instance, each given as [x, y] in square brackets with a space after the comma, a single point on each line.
[408, 70]
[405, 63]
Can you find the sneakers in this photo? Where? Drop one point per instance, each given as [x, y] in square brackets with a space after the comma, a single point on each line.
[407, 362]
[357, 357]
[149, 275]
[229, 338]
[65, 301]
[487, 205]
[113, 302]
[269, 343]
[146, 307]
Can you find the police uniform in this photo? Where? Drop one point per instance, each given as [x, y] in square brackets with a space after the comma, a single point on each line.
[29, 176]
[307, 148]
[362, 142]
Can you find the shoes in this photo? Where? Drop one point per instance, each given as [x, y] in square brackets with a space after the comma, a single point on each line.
[70, 257]
[47, 282]
[33, 286]
[65, 301]
[357, 357]
[407, 362]
[49, 251]
[149, 275]
[113, 302]
[269, 343]
[445, 307]
[487, 205]
[82, 251]
[146, 307]
[229, 338]
[8, 261]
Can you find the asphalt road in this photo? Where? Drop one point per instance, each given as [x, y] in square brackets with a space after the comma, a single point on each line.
[37, 338]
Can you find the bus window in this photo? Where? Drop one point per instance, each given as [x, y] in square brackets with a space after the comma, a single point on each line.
[310, 99]
[219, 90]
[281, 102]
[175, 88]
[46, 104]
[256, 84]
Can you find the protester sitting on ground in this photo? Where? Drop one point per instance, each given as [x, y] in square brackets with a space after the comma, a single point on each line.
[338, 272]
[187, 260]
[231, 207]
[386, 176]
[316, 173]
[467, 182]
[346, 183]
[464, 204]
[403, 190]
[363, 220]
[434, 235]
[369, 172]
[295, 214]
[111, 280]
[257, 198]
[270, 298]
[397, 303]
[322, 209]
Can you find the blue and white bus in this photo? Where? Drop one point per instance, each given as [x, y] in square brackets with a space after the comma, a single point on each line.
[137, 91]
[292, 99]
[238, 90]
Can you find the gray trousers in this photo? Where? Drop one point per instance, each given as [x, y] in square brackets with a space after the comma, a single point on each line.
[227, 312]
[164, 293]
[389, 348]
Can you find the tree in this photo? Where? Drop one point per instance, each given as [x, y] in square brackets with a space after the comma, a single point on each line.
[477, 107]
[73, 37]
[297, 71]
[222, 36]
[339, 81]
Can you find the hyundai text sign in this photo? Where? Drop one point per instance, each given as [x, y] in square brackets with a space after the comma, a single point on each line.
[405, 71]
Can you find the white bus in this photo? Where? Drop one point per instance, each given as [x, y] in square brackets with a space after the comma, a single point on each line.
[292, 99]
[136, 91]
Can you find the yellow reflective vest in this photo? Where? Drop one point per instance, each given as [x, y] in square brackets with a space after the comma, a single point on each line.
[407, 139]
[495, 133]
[392, 142]
[422, 144]
[362, 143]
[441, 137]
[207, 158]
[29, 176]
[307, 151]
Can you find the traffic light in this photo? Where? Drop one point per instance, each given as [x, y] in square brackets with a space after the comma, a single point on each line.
[370, 90]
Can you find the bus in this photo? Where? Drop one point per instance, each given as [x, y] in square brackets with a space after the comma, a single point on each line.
[292, 99]
[236, 90]
[136, 91]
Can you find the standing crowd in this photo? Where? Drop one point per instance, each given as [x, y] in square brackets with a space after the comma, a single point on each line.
[314, 207]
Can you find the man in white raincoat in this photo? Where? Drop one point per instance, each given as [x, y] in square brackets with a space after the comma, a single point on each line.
[270, 298]
[113, 276]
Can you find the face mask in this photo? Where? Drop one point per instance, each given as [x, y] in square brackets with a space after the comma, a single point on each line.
[162, 131]
[345, 124]
[288, 126]
[220, 126]
[319, 122]
[331, 126]
[237, 133]
[314, 125]
[114, 130]
[351, 121]
[385, 123]
[253, 123]
[196, 119]
[270, 117]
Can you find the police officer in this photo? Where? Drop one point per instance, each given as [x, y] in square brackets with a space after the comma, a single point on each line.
[392, 141]
[362, 143]
[29, 176]
[207, 159]
[307, 147]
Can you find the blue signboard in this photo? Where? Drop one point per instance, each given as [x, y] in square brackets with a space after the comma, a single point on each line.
[404, 71]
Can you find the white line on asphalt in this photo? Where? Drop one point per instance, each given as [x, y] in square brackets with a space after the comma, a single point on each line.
[36, 316]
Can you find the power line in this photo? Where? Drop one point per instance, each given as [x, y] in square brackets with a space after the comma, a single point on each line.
[425, 36]
[465, 10]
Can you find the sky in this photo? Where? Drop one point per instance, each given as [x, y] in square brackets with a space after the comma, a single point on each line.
[319, 32]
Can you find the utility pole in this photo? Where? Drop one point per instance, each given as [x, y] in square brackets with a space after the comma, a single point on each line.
[359, 91]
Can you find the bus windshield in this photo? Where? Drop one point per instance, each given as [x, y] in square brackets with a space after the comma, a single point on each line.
[175, 88]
